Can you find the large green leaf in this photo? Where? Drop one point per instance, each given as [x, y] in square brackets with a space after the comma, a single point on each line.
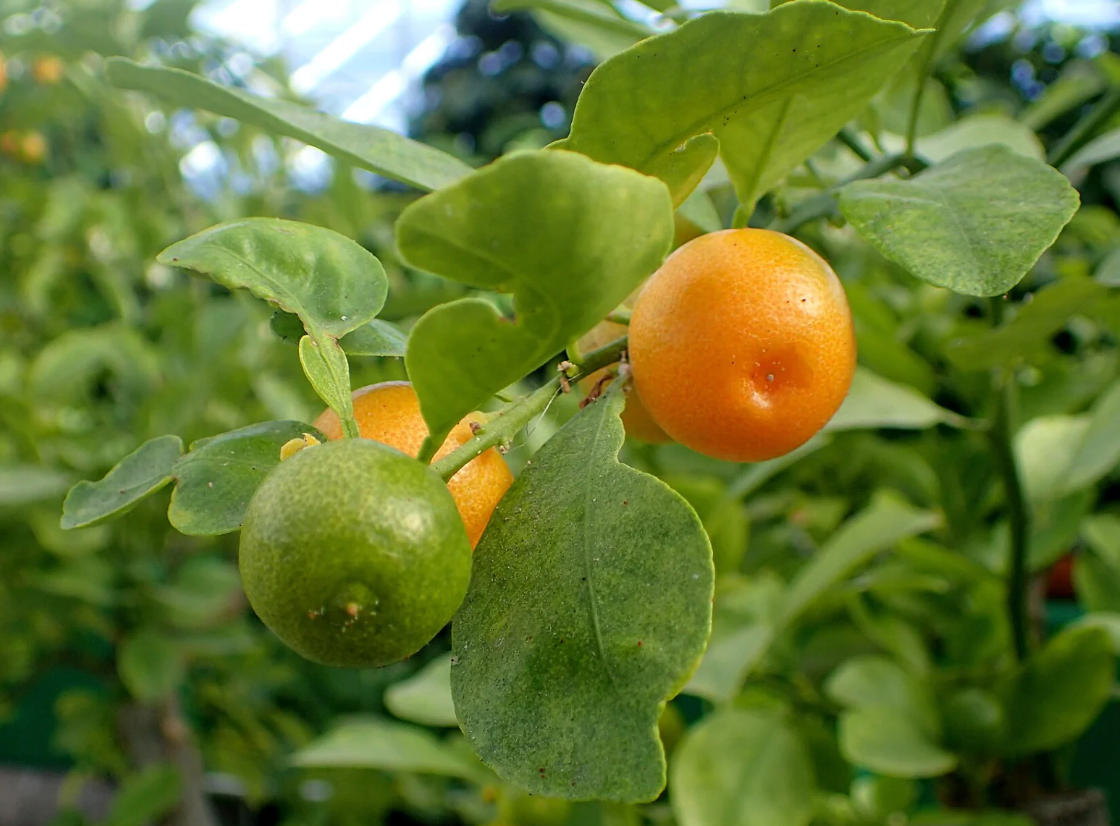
[1060, 691]
[889, 742]
[589, 606]
[742, 767]
[738, 650]
[374, 743]
[568, 237]
[372, 148]
[425, 697]
[876, 402]
[218, 477]
[771, 89]
[139, 474]
[1048, 312]
[975, 223]
[333, 284]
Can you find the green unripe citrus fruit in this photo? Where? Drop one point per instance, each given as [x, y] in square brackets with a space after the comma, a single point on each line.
[354, 554]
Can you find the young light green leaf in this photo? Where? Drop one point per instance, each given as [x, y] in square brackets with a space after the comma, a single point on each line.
[975, 223]
[1060, 691]
[876, 402]
[328, 371]
[146, 797]
[26, 484]
[570, 239]
[589, 606]
[983, 129]
[150, 665]
[1061, 454]
[742, 767]
[1102, 148]
[218, 477]
[425, 697]
[332, 283]
[139, 474]
[875, 681]
[771, 89]
[1107, 621]
[378, 150]
[1047, 313]
[888, 742]
[374, 743]
[378, 338]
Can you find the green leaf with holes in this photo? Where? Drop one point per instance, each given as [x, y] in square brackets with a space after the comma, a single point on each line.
[138, 475]
[569, 238]
[976, 223]
[764, 91]
[378, 150]
[589, 607]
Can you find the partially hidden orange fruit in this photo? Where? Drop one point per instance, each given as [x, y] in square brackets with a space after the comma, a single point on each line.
[389, 413]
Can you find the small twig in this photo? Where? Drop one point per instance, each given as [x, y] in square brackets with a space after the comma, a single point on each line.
[847, 137]
[507, 422]
[825, 205]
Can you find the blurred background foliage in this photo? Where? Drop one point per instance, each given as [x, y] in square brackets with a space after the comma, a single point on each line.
[127, 654]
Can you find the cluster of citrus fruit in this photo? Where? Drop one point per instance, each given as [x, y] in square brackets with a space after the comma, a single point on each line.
[741, 347]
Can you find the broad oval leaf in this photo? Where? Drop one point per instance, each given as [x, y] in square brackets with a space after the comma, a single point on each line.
[1060, 690]
[872, 680]
[975, 223]
[139, 474]
[570, 239]
[374, 743]
[771, 88]
[742, 767]
[150, 665]
[218, 477]
[425, 697]
[589, 606]
[332, 283]
[378, 150]
[891, 743]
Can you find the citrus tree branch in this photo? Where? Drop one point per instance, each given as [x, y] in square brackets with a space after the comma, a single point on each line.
[825, 206]
[508, 421]
[1003, 388]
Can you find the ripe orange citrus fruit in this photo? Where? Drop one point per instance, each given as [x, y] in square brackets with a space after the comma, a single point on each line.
[742, 344]
[635, 417]
[47, 70]
[353, 554]
[33, 148]
[390, 413]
